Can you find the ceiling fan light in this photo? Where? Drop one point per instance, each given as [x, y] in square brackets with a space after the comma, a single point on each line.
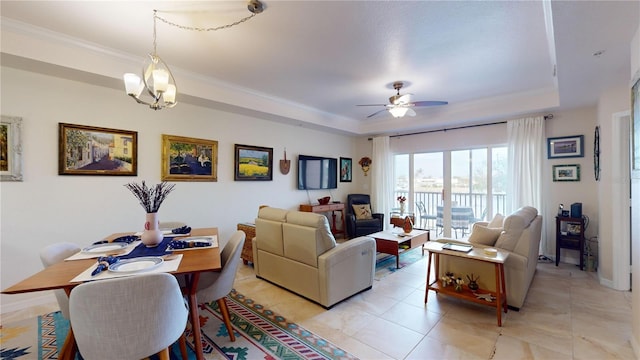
[398, 112]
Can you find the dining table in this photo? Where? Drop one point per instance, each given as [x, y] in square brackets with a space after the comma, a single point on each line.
[64, 275]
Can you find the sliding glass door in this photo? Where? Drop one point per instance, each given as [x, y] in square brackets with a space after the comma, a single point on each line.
[449, 191]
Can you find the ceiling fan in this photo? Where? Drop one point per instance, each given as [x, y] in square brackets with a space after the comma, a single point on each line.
[401, 105]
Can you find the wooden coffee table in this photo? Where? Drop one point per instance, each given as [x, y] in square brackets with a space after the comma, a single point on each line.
[394, 242]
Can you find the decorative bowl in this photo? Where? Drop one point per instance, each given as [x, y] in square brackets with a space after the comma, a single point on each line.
[324, 200]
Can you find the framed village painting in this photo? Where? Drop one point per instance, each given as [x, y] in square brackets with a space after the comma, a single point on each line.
[89, 150]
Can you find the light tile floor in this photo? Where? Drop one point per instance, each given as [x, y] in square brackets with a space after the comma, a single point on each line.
[567, 315]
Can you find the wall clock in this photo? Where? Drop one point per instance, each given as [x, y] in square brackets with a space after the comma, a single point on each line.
[596, 153]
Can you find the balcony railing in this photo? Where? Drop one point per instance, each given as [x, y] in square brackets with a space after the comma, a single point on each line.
[431, 200]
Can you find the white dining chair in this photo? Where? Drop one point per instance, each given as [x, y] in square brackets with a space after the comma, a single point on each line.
[215, 286]
[130, 317]
[54, 254]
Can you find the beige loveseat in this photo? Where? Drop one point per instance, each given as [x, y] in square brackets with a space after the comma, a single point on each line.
[297, 251]
[519, 234]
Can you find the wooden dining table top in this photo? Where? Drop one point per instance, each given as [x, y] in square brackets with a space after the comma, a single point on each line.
[59, 275]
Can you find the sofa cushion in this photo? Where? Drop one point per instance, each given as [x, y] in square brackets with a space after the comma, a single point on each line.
[513, 226]
[362, 211]
[497, 221]
[484, 235]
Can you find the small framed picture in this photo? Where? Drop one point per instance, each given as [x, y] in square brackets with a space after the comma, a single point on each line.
[566, 172]
[345, 169]
[189, 159]
[89, 150]
[253, 163]
[565, 147]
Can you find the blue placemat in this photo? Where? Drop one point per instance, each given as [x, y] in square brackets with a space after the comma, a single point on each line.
[142, 250]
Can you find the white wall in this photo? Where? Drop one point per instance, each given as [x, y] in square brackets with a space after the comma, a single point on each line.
[569, 123]
[46, 208]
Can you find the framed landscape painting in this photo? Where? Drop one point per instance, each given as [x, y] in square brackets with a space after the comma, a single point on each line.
[253, 163]
[566, 172]
[10, 148]
[345, 169]
[89, 150]
[189, 159]
[565, 147]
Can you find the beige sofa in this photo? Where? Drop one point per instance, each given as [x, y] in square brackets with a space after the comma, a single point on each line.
[519, 234]
[297, 251]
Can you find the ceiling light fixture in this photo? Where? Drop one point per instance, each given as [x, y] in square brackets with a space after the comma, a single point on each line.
[157, 80]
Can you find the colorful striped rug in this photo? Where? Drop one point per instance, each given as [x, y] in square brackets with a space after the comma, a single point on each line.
[260, 334]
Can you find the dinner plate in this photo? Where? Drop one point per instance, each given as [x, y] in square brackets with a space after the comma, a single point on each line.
[140, 264]
[103, 248]
[208, 239]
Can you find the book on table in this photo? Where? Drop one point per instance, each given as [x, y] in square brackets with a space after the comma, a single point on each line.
[457, 247]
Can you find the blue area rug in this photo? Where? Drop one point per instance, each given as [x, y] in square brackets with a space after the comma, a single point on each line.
[386, 264]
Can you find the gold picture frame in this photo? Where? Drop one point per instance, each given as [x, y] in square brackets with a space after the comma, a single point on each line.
[189, 159]
[90, 150]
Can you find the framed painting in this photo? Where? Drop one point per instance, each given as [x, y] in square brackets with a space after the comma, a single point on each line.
[89, 150]
[253, 163]
[565, 147]
[566, 172]
[345, 169]
[189, 159]
[10, 148]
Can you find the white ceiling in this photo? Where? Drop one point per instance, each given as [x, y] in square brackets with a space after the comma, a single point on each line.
[312, 62]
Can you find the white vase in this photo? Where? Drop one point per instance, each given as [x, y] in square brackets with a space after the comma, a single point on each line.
[401, 208]
[151, 236]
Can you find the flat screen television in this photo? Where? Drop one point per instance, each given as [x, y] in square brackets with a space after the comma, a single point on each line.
[315, 172]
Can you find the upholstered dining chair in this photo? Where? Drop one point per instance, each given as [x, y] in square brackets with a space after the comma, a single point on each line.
[130, 317]
[53, 254]
[215, 286]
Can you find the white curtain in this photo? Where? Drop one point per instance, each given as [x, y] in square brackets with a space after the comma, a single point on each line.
[526, 149]
[382, 177]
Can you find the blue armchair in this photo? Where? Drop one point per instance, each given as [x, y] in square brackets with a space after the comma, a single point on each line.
[360, 227]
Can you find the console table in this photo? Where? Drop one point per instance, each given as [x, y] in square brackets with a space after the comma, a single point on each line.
[332, 207]
[497, 298]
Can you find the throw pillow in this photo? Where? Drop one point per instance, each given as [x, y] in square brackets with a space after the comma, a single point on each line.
[484, 235]
[497, 221]
[362, 211]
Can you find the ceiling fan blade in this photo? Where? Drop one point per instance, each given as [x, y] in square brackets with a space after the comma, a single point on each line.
[428, 103]
[376, 113]
[373, 105]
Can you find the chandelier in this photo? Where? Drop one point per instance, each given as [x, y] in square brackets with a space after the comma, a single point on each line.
[157, 85]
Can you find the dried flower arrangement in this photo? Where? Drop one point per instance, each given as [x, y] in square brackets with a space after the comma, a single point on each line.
[401, 199]
[150, 197]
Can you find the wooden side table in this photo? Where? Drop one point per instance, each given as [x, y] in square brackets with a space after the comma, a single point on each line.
[498, 297]
[398, 221]
[331, 207]
[247, 250]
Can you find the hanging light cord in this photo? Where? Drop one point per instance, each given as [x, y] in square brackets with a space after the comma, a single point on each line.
[254, 12]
